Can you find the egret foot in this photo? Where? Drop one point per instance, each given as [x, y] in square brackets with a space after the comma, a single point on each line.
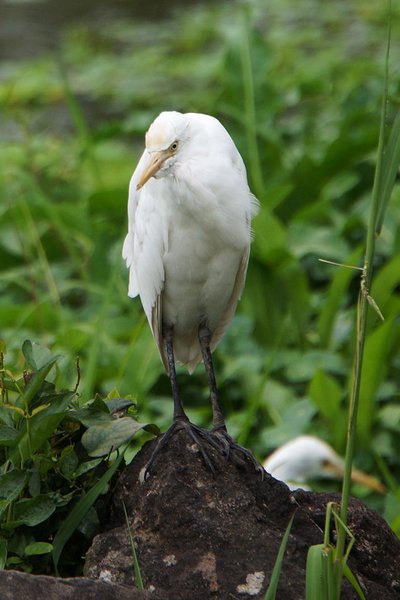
[194, 432]
[239, 454]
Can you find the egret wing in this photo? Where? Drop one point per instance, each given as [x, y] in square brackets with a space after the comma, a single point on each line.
[129, 242]
[144, 250]
[235, 296]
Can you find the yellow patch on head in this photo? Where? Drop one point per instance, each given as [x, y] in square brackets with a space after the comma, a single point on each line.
[163, 131]
[155, 138]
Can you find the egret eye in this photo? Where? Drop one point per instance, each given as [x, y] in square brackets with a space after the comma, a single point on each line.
[173, 146]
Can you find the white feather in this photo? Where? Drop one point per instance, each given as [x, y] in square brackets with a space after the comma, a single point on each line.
[189, 233]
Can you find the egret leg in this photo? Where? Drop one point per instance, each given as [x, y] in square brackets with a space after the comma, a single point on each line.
[180, 419]
[179, 413]
[227, 443]
[217, 417]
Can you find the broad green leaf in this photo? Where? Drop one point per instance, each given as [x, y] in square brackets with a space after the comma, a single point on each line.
[270, 235]
[8, 435]
[86, 466]
[390, 167]
[42, 425]
[341, 278]
[31, 511]
[294, 421]
[91, 413]
[116, 404]
[326, 394]
[37, 380]
[39, 435]
[27, 351]
[301, 366]
[68, 462]
[324, 242]
[377, 349]
[37, 548]
[315, 573]
[80, 509]
[384, 285]
[100, 440]
[12, 483]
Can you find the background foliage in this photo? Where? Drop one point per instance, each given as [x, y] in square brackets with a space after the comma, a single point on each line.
[298, 85]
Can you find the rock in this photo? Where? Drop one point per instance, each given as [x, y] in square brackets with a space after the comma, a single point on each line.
[15, 585]
[203, 536]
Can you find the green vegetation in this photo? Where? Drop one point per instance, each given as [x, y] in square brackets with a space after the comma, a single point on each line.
[298, 84]
[49, 469]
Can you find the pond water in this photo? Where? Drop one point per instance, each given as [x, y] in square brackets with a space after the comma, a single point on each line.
[30, 27]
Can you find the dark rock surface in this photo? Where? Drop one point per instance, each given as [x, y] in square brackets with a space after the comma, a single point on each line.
[22, 586]
[201, 536]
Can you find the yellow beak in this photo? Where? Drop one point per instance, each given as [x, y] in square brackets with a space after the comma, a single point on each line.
[357, 476]
[155, 163]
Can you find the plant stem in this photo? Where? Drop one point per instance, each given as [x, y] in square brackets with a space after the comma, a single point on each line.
[362, 313]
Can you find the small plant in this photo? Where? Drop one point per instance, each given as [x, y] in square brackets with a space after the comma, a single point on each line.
[324, 566]
[57, 456]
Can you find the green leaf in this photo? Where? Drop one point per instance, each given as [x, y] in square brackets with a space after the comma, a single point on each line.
[37, 380]
[42, 425]
[390, 166]
[12, 483]
[353, 580]
[315, 573]
[91, 413]
[80, 509]
[377, 349]
[326, 394]
[37, 548]
[31, 511]
[86, 466]
[27, 351]
[68, 462]
[40, 433]
[270, 594]
[117, 404]
[8, 435]
[270, 235]
[384, 286]
[100, 440]
[324, 242]
[336, 296]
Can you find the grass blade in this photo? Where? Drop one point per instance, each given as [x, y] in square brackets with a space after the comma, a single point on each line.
[270, 594]
[354, 581]
[136, 567]
[390, 168]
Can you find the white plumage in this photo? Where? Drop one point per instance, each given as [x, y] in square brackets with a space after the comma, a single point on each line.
[189, 234]
[307, 457]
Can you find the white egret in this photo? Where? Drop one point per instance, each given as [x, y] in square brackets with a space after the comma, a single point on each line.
[307, 457]
[187, 249]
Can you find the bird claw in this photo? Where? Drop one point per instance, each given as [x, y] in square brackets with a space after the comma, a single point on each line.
[241, 454]
[194, 433]
[218, 439]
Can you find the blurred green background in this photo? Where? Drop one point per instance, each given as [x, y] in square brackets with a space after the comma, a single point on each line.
[298, 84]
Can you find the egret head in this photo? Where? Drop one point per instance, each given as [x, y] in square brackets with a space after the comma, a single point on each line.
[163, 143]
[308, 457]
